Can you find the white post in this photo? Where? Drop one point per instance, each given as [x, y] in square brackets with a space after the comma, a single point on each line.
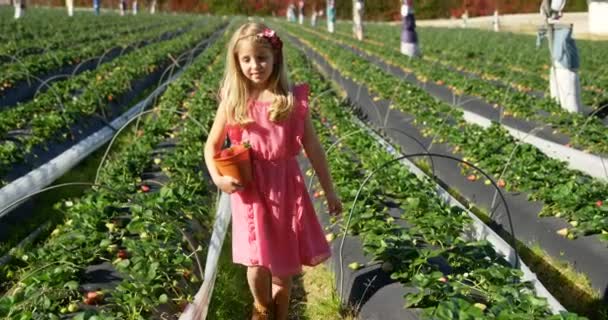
[135, 7]
[70, 5]
[313, 19]
[409, 38]
[153, 7]
[123, 7]
[358, 19]
[598, 11]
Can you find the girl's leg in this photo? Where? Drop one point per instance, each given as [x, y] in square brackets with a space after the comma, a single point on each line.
[259, 283]
[281, 290]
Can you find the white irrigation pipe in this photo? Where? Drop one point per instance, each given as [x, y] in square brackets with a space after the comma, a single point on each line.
[198, 309]
[46, 174]
[576, 159]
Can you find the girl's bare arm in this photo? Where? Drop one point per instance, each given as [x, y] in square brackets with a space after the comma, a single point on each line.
[214, 142]
[318, 160]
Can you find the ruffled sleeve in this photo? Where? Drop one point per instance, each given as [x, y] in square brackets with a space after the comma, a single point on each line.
[235, 133]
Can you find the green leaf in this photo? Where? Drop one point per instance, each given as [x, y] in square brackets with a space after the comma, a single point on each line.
[124, 263]
[71, 285]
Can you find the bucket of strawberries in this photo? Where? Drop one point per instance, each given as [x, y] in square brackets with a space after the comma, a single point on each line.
[235, 162]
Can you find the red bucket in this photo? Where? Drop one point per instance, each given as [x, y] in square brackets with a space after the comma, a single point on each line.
[236, 163]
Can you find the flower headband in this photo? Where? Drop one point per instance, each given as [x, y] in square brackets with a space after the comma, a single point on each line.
[272, 37]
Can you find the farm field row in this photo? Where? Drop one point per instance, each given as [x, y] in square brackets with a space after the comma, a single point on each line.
[144, 226]
[586, 133]
[510, 58]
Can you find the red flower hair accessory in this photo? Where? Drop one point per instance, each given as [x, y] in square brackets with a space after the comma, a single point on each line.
[272, 37]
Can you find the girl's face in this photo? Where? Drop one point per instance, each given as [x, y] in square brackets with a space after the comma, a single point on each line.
[256, 62]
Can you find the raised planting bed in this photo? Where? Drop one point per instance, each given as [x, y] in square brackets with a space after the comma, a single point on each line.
[29, 129]
[585, 253]
[136, 237]
[401, 230]
[520, 166]
[554, 132]
[25, 79]
[508, 57]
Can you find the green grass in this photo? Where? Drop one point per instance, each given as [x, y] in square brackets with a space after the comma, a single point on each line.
[231, 296]
[314, 296]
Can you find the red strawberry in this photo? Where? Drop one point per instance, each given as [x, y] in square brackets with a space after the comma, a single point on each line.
[227, 153]
[145, 188]
[122, 254]
[92, 295]
[317, 194]
[89, 301]
[472, 177]
[599, 203]
[440, 82]
[501, 183]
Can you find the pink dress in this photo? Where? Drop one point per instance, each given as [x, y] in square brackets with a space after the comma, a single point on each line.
[273, 221]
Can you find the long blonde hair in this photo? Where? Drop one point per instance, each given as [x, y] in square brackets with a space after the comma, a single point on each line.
[235, 93]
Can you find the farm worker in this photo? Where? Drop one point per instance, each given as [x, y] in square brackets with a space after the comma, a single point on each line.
[465, 18]
[153, 7]
[358, 19]
[123, 7]
[291, 13]
[409, 38]
[331, 15]
[96, 6]
[301, 12]
[564, 82]
[552, 9]
[496, 21]
[19, 8]
[275, 230]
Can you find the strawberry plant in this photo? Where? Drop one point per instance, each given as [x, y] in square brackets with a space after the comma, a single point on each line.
[147, 246]
[564, 191]
[480, 283]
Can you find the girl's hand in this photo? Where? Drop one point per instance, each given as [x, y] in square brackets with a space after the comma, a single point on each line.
[333, 204]
[228, 184]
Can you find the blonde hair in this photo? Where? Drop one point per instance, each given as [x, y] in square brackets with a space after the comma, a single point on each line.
[235, 93]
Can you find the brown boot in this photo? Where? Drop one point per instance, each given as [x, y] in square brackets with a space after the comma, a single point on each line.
[260, 312]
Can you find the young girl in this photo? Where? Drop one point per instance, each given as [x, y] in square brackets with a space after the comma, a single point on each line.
[275, 230]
